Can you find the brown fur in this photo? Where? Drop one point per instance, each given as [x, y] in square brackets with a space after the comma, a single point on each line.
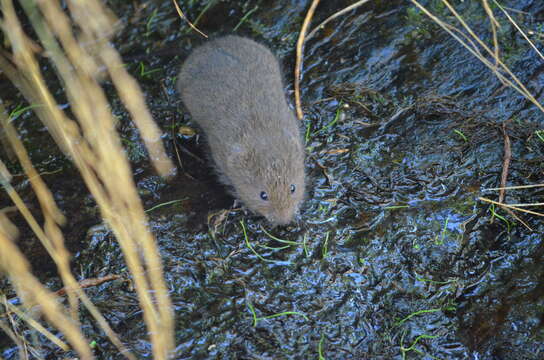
[233, 89]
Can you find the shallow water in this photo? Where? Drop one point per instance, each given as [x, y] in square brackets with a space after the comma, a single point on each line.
[395, 256]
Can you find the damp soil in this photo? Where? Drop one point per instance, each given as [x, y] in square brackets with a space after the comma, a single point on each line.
[394, 256]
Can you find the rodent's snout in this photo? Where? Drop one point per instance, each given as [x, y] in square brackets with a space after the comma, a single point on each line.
[284, 217]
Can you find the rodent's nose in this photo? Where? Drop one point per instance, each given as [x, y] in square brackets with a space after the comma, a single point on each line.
[282, 218]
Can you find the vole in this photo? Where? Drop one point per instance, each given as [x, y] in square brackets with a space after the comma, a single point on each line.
[232, 86]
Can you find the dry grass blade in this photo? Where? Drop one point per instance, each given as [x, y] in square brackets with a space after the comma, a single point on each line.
[515, 187]
[494, 25]
[15, 338]
[510, 206]
[298, 62]
[36, 325]
[480, 50]
[51, 237]
[527, 204]
[92, 143]
[334, 16]
[513, 214]
[15, 265]
[508, 78]
[519, 29]
[182, 15]
[130, 227]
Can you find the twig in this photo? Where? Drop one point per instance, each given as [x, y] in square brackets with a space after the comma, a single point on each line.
[36, 325]
[518, 219]
[85, 283]
[505, 162]
[182, 15]
[515, 187]
[510, 206]
[298, 64]
[527, 204]
[334, 16]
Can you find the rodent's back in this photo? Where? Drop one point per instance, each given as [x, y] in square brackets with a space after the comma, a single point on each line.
[233, 89]
[234, 78]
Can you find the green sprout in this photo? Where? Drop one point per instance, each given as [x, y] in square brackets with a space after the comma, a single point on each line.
[244, 18]
[394, 207]
[149, 22]
[325, 245]
[500, 217]
[165, 204]
[145, 73]
[336, 117]
[420, 312]
[320, 347]
[278, 239]
[284, 313]
[412, 347]
[465, 139]
[307, 134]
[443, 234]
[19, 110]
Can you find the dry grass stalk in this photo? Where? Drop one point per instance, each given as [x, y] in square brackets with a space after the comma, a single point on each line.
[494, 25]
[92, 143]
[36, 325]
[32, 292]
[182, 15]
[474, 45]
[334, 16]
[515, 187]
[298, 62]
[519, 29]
[23, 353]
[508, 206]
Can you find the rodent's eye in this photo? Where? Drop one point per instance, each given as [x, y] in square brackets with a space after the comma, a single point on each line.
[293, 188]
[264, 195]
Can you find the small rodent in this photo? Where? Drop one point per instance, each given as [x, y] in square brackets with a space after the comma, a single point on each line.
[232, 86]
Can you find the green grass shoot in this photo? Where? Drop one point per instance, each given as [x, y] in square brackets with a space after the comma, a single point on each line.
[165, 204]
[500, 217]
[206, 8]
[335, 120]
[307, 134]
[246, 238]
[320, 347]
[289, 242]
[245, 17]
[326, 245]
[149, 22]
[442, 234]
[463, 136]
[412, 347]
[394, 207]
[284, 313]
[304, 245]
[426, 311]
[19, 110]
[144, 72]
[540, 134]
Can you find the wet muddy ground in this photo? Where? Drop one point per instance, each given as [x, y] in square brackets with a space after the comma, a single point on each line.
[394, 257]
